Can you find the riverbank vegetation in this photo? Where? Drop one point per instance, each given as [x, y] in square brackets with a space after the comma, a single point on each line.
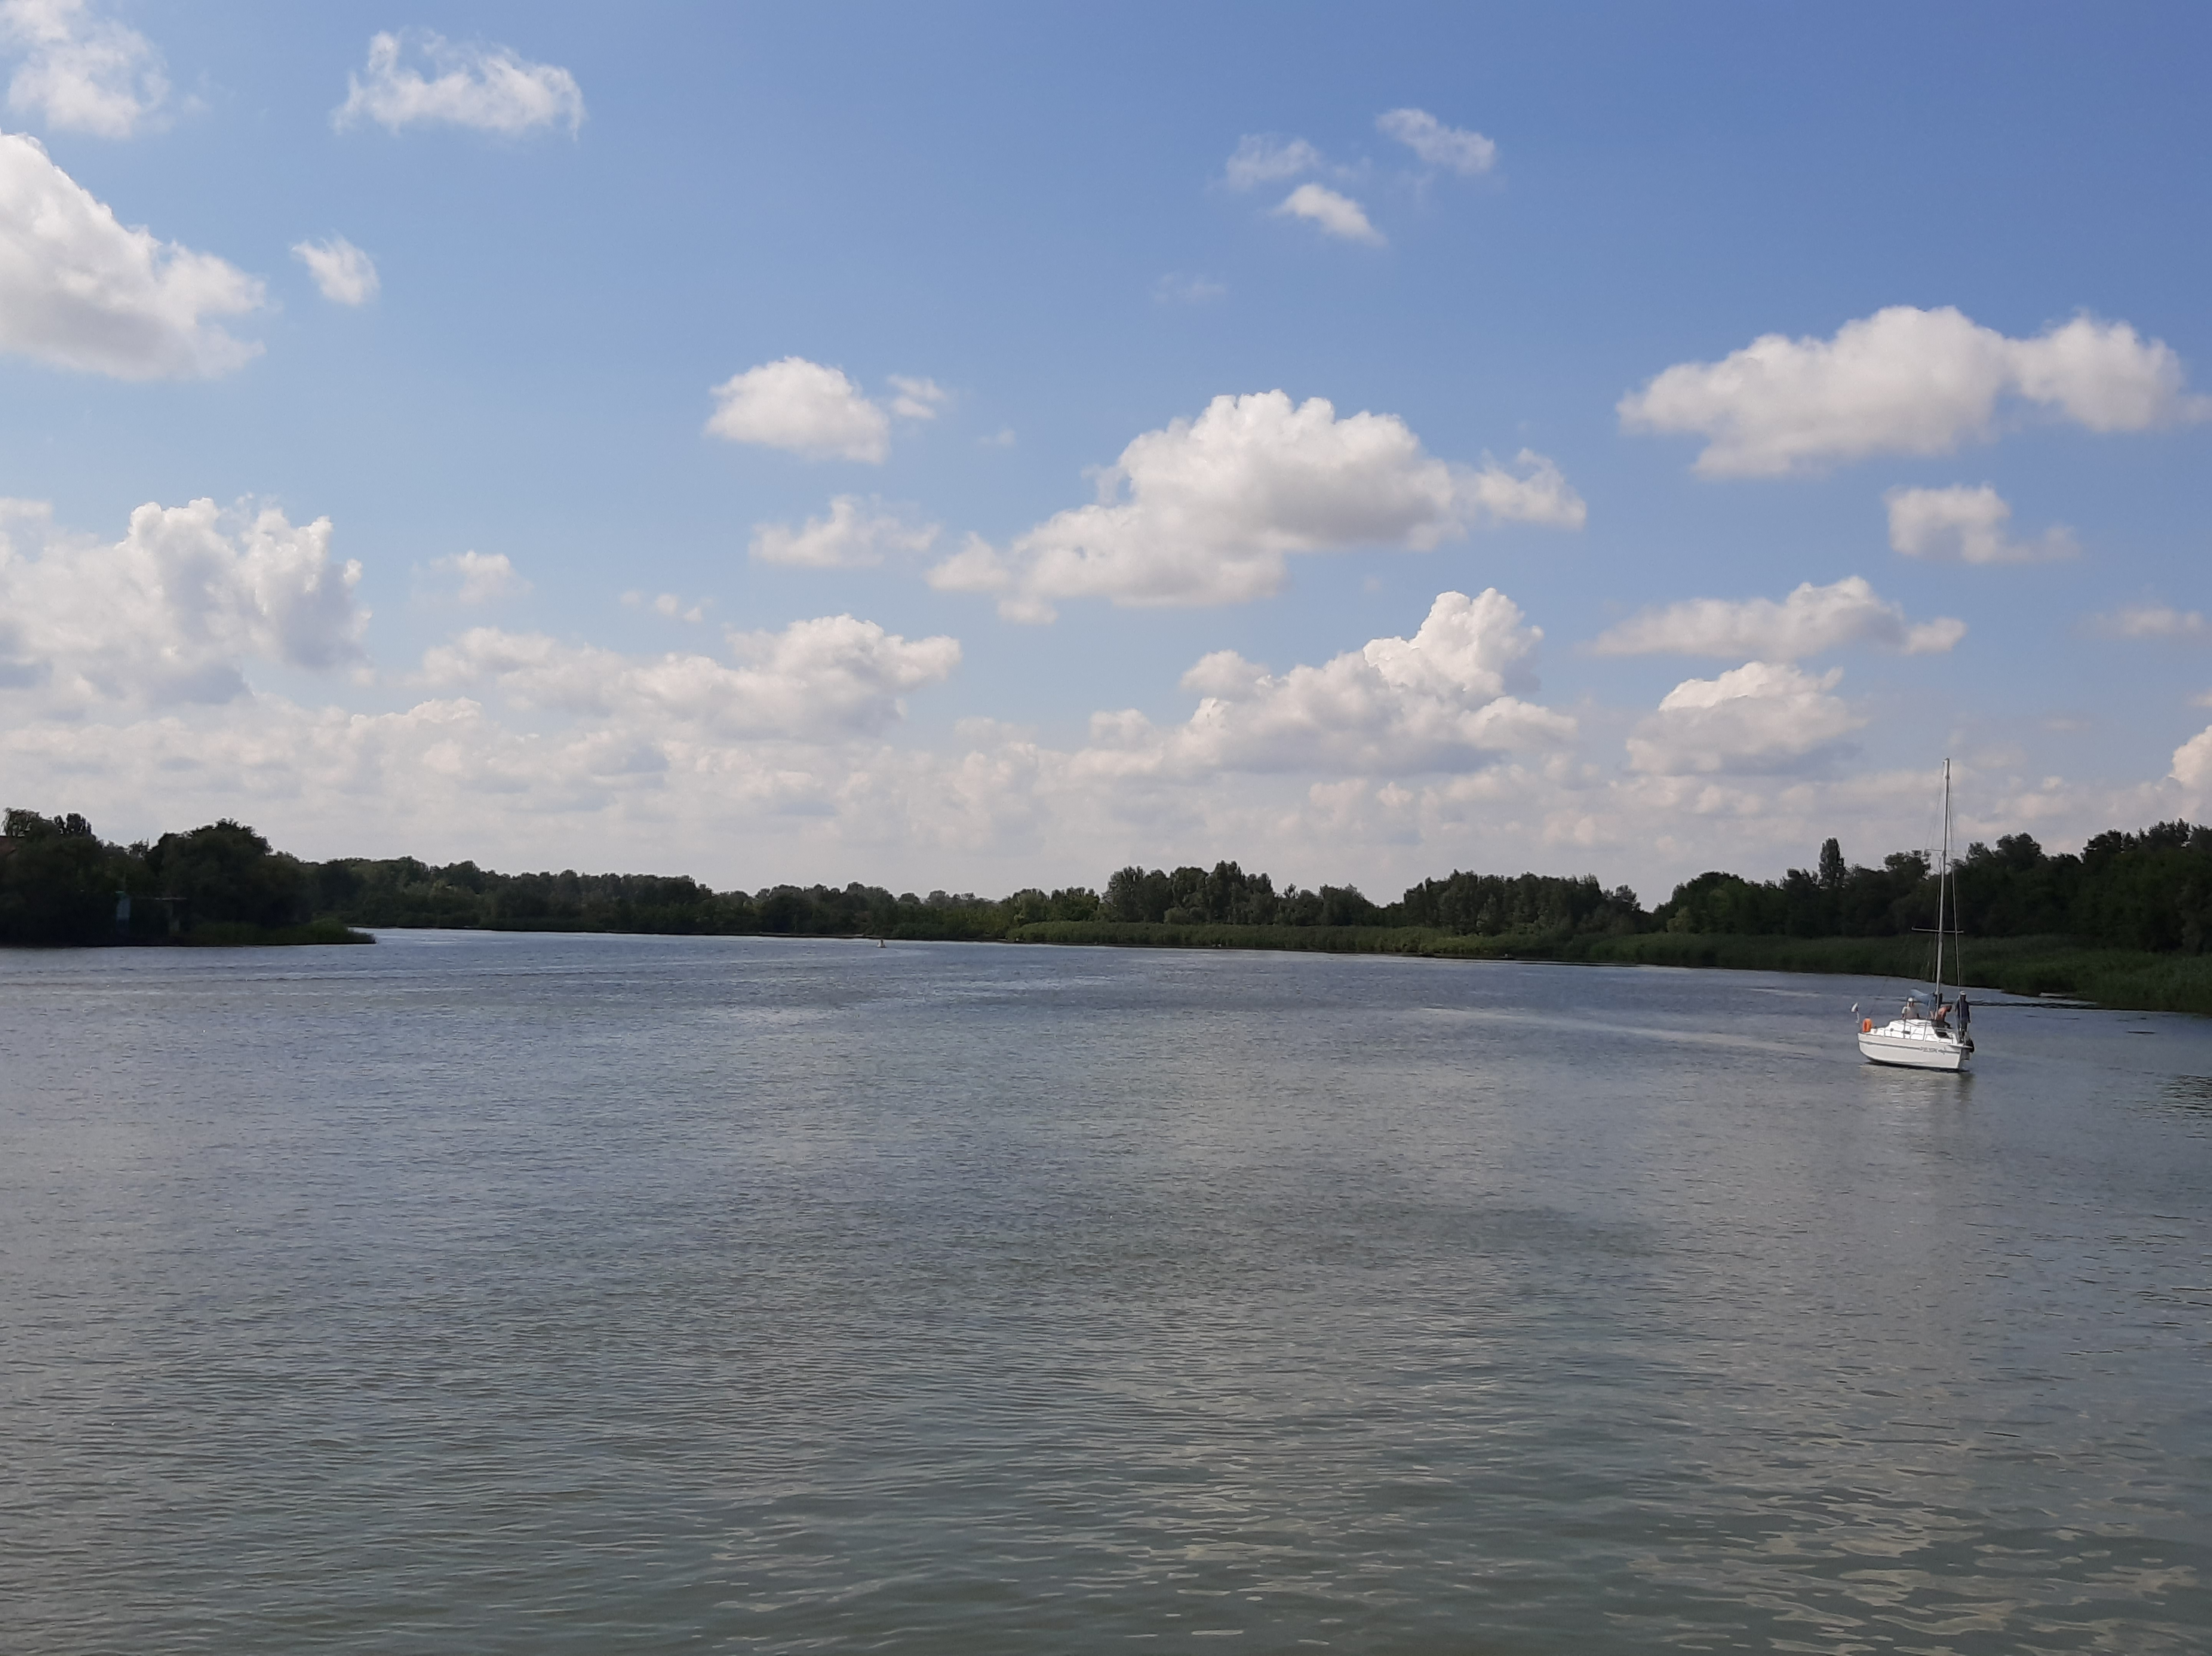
[2126, 922]
[221, 885]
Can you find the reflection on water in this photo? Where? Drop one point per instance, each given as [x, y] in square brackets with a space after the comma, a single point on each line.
[580, 1294]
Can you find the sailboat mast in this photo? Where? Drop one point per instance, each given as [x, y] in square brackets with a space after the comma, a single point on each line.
[1943, 880]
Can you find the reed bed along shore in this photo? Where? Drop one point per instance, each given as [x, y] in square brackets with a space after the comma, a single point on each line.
[2123, 979]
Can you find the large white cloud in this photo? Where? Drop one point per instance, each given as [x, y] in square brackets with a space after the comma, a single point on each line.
[802, 408]
[1966, 524]
[2192, 765]
[79, 290]
[174, 610]
[1456, 148]
[1438, 701]
[852, 537]
[1761, 717]
[80, 72]
[1811, 621]
[488, 89]
[1905, 381]
[1206, 511]
[824, 680]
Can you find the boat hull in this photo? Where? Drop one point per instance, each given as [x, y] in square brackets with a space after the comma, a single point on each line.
[1915, 1050]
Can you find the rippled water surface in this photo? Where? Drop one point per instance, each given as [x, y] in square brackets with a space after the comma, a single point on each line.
[580, 1294]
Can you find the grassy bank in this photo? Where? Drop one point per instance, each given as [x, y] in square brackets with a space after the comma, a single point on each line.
[223, 934]
[2120, 978]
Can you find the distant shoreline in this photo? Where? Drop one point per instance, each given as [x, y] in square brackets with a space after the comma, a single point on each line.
[2117, 980]
[2120, 980]
[218, 934]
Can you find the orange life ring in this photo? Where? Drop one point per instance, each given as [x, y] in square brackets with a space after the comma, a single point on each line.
[1866, 1026]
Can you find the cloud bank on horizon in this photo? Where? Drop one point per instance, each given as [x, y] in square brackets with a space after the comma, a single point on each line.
[1363, 446]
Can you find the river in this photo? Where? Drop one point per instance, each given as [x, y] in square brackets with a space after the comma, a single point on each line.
[581, 1294]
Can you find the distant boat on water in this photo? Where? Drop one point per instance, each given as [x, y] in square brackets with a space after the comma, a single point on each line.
[1928, 1033]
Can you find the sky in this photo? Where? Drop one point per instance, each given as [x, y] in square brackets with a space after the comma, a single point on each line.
[977, 447]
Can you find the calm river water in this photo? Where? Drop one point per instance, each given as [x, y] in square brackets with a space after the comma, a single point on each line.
[476, 1293]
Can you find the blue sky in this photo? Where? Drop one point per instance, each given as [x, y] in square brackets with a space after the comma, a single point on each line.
[1612, 310]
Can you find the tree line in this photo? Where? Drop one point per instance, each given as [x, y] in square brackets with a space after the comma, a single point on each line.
[2149, 891]
[60, 883]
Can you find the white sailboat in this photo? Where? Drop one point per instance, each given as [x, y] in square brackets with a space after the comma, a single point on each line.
[1930, 1033]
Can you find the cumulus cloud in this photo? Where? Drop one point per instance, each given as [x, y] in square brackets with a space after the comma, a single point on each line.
[1905, 381]
[1455, 149]
[1811, 621]
[175, 610]
[852, 537]
[345, 275]
[1762, 717]
[1967, 526]
[481, 577]
[803, 408]
[487, 88]
[2192, 765]
[1438, 701]
[2157, 623]
[829, 679]
[1265, 158]
[1338, 215]
[1206, 511]
[79, 290]
[80, 72]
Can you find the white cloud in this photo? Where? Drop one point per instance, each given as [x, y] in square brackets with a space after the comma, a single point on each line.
[850, 538]
[774, 759]
[81, 72]
[1811, 621]
[828, 679]
[79, 290]
[917, 399]
[1536, 493]
[670, 606]
[1438, 701]
[1905, 381]
[481, 577]
[486, 88]
[1337, 214]
[175, 610]
[1450, 147]
[1264, 158]
[2159, 623]
[1207, 511]
[804, 408]
[2192, 765]
[1762, 717]
[345, 275]
[1967, 526]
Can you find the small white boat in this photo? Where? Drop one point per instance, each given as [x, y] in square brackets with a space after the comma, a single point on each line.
[1930, 1033]
[1917, 1039]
